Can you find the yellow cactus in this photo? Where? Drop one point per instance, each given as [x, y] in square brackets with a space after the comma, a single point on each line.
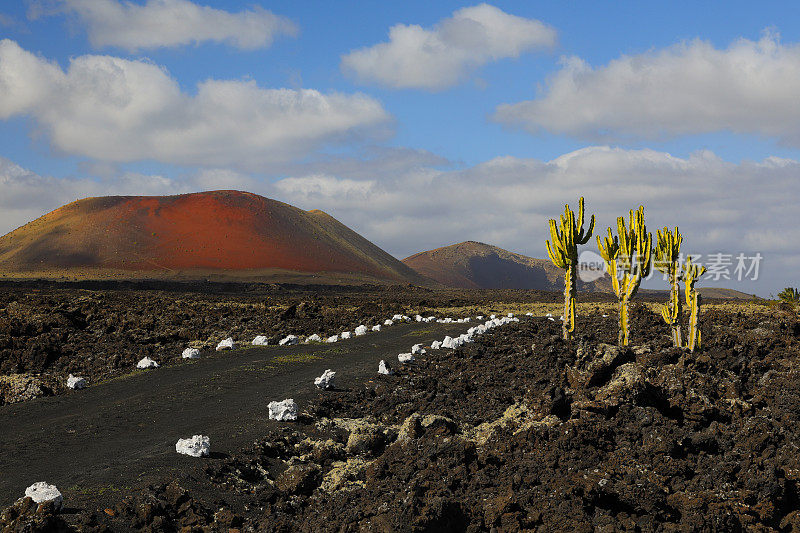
[668, 250]
[566, 236]
[628, 258]
[690, 275]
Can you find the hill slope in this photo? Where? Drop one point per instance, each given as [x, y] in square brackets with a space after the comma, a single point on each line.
[472, 265]
[221, 233]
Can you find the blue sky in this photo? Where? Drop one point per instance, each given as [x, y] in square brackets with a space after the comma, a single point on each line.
[389, 161]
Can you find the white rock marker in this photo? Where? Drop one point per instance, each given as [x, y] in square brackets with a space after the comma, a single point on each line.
[376, 327]
[226, 344]
[388, 322]
[361, 330]
[384, 369]
[333, 338]
[313, 338]
[260, 340]
[406, 358]
[146, 362]
[282, 411]
[435, 345]
[75, 382]
[325, 381]
[197, 446]
[190, 353]
[289, 340]
[346, 335]
[42, 492]
[417, 349]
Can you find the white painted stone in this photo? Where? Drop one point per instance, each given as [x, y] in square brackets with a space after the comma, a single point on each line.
[346, 335]
[417, 349]
[406, 358]
[289, 340]
[146, 362]
[479, 317]
[196, 446]
[42, 492]
[74, 382]
[397, 317]
[190, 353]
[313, 338]
[435, 345]
[376, 327]
[448, 342]
[325, 381]
[528, 314]
[361, 330]
[384, 369]
[226, 344]
[388, 322]
[261, 340]
[332, 338]
[418, 318]
[282, 411]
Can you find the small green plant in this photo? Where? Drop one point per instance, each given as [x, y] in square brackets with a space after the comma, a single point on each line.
[668, 251]
[564, 254]
[789, 296]
[628, 258]
[691, 273]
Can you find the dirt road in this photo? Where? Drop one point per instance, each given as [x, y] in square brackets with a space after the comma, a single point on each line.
[111, 438]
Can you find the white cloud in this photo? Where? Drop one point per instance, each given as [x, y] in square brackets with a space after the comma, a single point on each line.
[440, 57]
[691, 88]
[165, 23]
[112, 109]
[506, 201]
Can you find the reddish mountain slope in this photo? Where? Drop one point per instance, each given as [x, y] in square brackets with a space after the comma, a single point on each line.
[473, 265]
[227, 232]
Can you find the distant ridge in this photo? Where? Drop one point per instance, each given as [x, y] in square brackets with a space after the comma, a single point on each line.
[475, 265]
[217, 234]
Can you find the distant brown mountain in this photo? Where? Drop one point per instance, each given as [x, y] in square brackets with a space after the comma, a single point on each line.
[219, 234]
[472, 265]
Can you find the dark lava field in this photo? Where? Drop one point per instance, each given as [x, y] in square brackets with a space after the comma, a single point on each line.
[518, 430]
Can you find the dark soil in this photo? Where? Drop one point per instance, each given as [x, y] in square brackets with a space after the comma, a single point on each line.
[522, 431]
[101, 329]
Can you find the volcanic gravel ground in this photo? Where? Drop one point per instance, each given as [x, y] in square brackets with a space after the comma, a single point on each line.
[519, 430]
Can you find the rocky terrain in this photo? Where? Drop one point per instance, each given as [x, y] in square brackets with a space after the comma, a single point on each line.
[519, 430]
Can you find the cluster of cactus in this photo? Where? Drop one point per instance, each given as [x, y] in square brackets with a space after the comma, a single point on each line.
[668, 251]
[628, 257]
[790, 296]
[566, 236]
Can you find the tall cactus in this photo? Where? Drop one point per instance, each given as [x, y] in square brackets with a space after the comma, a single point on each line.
[563, 253]
[628, 259]
[668, 251]
[690, 275]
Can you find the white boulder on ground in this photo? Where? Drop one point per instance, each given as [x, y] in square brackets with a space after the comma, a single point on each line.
[42, 492]
[346, 335]
[190, 353]
[361, 330]
[406, 358]
[397, 317]
[225, 344]
[289, 340]
[313, 338]
[332, 338]
[384, 368]
[376, 327]
[325, 381]
[261, 340]
[387, 322]
[417, 349]
[75, 382]
[197, 446]
[418, 318]
[448, 342]
[146, 362]
[282, 411]
[435, 345]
